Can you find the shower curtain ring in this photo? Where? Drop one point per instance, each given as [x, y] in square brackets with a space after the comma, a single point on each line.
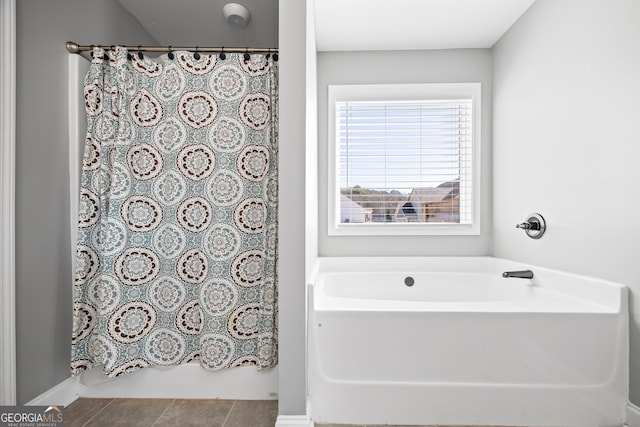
[246, 54]
[222, 55]
[170, 54]
[196, 55]
[140, 55]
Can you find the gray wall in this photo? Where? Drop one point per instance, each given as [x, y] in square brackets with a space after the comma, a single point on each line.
[581, 54]
[43, 276]
[291, 208]
[431, 66]
[566, 111]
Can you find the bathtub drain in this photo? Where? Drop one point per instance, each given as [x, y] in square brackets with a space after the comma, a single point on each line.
[409, 281]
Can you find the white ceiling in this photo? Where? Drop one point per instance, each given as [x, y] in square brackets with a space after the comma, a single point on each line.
[414, 24]
[200, 22]
[340, 24]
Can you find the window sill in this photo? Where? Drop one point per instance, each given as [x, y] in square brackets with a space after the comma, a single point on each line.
[403, 229]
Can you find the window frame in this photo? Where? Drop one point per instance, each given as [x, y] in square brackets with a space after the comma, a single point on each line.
[402, 92]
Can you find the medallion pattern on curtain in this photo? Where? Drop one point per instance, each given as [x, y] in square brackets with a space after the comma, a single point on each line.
[176, 258]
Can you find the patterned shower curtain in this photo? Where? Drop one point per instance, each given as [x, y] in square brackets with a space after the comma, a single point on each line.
[176, 258]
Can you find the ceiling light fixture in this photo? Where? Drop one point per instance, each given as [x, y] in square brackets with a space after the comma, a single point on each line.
[236, 14]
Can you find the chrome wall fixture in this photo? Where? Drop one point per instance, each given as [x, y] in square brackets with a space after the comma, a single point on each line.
[534, 226]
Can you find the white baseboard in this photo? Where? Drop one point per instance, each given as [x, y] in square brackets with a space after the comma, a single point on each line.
[633, 415]
[294, 421]
[63, 394]
[189, 381]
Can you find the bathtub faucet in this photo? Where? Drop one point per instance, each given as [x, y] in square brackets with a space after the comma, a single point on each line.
[523, 274]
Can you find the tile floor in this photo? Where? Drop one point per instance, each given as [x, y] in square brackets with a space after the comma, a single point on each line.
[87, 412]
[378, 425]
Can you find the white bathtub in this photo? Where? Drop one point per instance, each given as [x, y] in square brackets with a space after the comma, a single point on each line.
[464, 345]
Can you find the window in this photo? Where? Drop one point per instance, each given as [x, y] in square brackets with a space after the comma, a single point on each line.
[404, 159]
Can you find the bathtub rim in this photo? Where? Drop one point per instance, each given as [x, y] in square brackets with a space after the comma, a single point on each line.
[601, 295]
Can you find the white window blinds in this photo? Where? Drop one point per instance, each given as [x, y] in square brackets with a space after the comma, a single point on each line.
[404, 161]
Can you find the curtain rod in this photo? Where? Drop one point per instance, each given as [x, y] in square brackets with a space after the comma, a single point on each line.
[76, 48]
